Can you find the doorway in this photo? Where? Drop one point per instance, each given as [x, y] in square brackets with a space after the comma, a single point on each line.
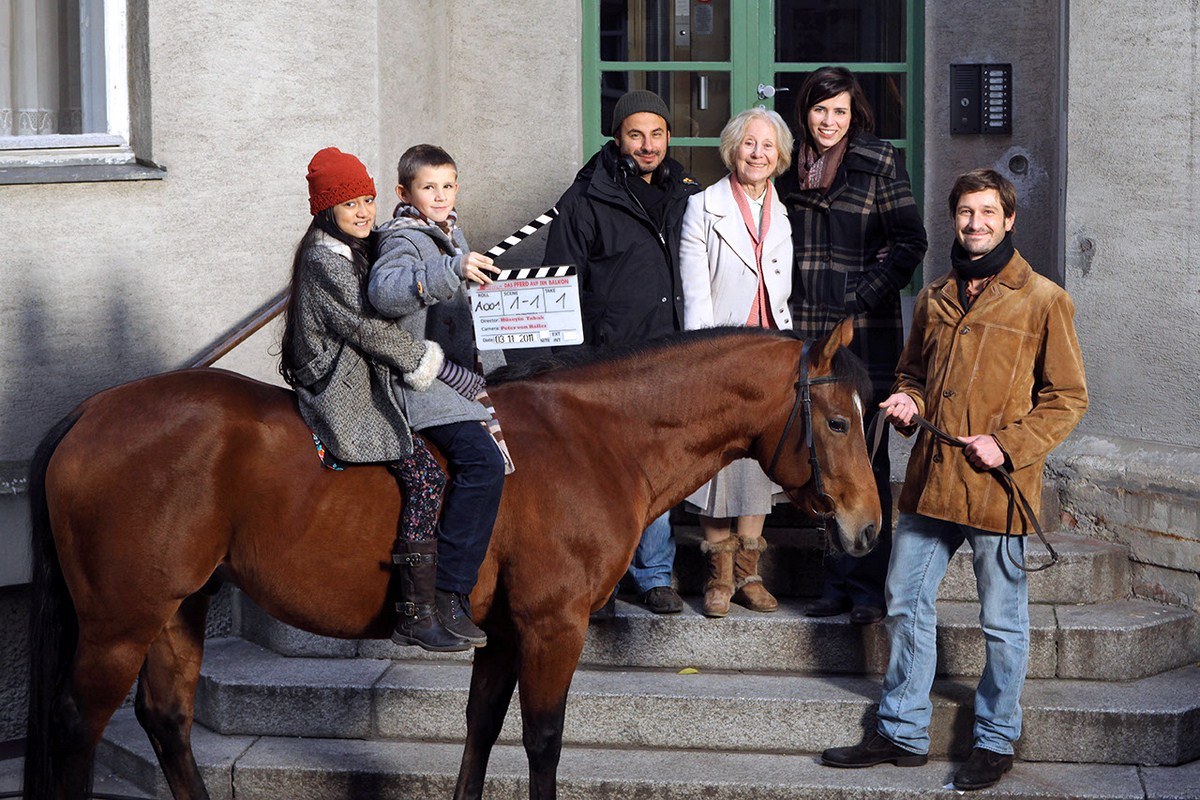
[710, 59]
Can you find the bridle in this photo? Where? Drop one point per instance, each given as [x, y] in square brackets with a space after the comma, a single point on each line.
[1018, 506]
[804, 403]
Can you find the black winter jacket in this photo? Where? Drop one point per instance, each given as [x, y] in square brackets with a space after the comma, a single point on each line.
[629, 282]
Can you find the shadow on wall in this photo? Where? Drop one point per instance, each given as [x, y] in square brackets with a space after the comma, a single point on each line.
[55, 355]
[58, 355]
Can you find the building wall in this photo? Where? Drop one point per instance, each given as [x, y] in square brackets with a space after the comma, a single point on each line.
[1133, 217]
[969, 32]
[106, 282]
[1132, 472]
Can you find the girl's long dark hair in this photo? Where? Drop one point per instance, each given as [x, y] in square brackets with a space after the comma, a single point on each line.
[362, 253]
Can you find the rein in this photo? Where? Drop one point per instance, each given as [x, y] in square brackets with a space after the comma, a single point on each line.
[804, 404]
[1017, 504]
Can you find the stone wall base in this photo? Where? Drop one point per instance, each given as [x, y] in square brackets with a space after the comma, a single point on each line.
[1140, 494]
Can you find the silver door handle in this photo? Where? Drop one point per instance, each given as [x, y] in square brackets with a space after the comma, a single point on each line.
[702, 94]
[766, 91]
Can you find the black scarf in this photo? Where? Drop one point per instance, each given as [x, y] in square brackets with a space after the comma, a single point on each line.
[652, 195]
[986, 265]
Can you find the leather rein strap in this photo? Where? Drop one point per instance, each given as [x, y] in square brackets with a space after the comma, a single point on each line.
[804, 404]
[1016, 498]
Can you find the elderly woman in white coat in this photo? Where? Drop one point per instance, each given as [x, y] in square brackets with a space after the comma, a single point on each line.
[735, 259]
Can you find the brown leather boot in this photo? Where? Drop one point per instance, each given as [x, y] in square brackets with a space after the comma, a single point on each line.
[719, 586]
[419, 622]
[750, 591]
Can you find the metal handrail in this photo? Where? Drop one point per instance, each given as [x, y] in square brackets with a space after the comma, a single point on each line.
[247, 328]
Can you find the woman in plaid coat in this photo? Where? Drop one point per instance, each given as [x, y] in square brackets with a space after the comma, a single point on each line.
[858, 239]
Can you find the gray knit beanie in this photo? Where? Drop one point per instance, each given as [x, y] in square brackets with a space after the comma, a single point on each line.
[637, 101]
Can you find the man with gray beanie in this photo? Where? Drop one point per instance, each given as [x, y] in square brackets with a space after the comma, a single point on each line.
[619, 224]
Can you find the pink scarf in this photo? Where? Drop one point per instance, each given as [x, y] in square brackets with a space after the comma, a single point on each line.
[760, 310]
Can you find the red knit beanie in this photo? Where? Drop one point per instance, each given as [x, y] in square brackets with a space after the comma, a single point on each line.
[335, 177]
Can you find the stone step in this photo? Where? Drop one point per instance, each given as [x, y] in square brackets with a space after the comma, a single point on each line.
[270, 768]
[1088, 571]
[1120, 640]
[106, 781]
[248, 690]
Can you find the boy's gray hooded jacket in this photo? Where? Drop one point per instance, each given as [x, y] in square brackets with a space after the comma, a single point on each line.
[417, 280]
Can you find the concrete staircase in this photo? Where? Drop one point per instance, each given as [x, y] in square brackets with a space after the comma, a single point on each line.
[1112, 703]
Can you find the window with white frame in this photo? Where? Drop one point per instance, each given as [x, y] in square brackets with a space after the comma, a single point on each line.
[64, 86]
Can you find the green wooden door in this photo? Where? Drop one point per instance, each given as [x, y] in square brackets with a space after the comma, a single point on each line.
[710, 59]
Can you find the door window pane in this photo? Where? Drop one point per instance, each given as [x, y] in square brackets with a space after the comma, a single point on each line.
[698, 101]
[703, 162]
[652, 30]
[886, 92]
[839, 30]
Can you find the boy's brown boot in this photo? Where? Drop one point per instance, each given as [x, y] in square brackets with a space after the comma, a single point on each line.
[719, 586]
[750, 591]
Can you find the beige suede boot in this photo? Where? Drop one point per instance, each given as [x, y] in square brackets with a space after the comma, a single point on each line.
[719, 586]
[750, 591]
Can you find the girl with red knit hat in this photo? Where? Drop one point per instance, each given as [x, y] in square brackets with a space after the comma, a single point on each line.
[340, 356]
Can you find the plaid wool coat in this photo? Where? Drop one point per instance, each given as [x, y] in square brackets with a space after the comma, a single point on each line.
[856, 247]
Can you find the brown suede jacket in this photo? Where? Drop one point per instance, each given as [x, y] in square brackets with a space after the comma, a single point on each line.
[1011, 367]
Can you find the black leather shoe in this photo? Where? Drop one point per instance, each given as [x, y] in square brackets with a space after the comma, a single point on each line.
[663, 600]
[874, 749]
[983, 769]
[454, 610]
[606, 611]
[827, 607]
[865, 615]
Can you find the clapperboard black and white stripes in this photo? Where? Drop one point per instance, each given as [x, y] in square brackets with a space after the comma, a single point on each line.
[519, 236]
[525, 273]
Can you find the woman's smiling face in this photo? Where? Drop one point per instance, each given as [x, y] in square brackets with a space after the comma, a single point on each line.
[829, 121]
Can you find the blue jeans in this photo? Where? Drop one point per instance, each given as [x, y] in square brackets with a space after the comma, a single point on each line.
[921, 550]
[654, 557]
[472, 499]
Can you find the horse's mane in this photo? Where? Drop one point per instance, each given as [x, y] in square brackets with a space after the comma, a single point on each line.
[850, 368]
[585, 355]
[846, 365]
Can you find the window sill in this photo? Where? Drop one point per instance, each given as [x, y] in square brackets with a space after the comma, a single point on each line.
[81, 173]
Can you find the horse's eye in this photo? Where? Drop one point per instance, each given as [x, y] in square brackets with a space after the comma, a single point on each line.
[839, 425]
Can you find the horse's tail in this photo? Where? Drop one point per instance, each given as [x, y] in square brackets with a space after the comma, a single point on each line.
[53, 636]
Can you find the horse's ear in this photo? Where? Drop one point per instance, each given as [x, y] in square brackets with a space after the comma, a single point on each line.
[839, 337]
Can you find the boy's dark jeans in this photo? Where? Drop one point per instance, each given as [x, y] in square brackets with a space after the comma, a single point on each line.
[476, 471]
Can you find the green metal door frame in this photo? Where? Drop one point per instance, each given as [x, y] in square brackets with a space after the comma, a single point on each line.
[752, 61]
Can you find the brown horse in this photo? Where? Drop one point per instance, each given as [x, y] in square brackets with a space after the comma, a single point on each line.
[147, 490]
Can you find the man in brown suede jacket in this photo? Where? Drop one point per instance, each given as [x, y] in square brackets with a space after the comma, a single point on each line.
[993, 359]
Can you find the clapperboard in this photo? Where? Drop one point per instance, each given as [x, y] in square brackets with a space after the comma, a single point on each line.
[528, 307]
[532, 307]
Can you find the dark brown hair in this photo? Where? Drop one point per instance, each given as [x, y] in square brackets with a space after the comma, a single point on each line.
[417, 157]
[980, 180]
[828, 82]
